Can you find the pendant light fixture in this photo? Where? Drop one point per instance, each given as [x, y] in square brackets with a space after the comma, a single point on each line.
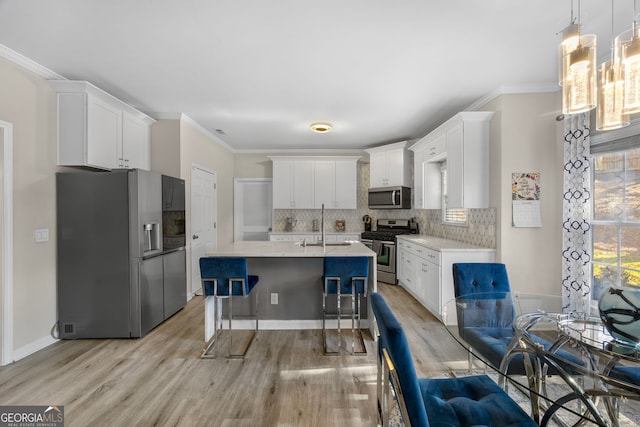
[578, 69]
[570, 36]
[611, 91]
[628, 44]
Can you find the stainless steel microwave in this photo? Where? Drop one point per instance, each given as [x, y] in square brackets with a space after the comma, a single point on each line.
[390, 198]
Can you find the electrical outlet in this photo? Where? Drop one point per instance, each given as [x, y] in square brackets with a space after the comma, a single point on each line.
[41, 235]
[274, 298]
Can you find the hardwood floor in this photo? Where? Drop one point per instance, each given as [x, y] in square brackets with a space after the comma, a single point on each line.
[160, 380]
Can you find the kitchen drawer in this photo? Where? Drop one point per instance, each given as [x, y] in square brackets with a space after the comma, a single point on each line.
[428, 254]
[279, 238]
[421, 251]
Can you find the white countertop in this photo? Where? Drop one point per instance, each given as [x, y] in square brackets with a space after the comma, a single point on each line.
[290, 249]
[337, 233]
[442, 245]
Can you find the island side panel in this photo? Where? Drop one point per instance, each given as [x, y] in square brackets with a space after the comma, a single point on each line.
[298, 283]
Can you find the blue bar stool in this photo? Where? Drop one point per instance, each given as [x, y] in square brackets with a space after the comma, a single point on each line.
[225, 278]
[344, 277]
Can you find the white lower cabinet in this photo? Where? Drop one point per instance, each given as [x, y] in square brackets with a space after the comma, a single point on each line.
[425, 268]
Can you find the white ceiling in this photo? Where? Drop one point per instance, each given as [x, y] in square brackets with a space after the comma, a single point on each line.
[379, 70]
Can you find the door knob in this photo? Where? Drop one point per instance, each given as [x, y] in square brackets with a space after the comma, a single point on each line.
[195, 237]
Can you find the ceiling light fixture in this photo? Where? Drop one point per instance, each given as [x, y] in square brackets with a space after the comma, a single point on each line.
[578, 68]
[321, 127]
[611, 91]
[628, 47]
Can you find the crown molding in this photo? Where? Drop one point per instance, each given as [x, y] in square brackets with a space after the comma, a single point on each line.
[28, 64]
[184, 118]
[511, 90]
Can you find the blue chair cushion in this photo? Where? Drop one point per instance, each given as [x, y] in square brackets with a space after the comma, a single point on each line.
[226, 270]
[629, 374]
[346, 268]
[480, 277]
[492, 344]
[470, 401]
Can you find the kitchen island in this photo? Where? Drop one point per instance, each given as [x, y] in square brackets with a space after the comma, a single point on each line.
[290, 287]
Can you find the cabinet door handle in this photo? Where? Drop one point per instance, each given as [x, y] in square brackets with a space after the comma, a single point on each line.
[195, 237]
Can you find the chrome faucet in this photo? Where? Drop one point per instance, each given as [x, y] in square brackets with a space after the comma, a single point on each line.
[322, 220]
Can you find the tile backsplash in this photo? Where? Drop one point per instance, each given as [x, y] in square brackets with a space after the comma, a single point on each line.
[480, 231]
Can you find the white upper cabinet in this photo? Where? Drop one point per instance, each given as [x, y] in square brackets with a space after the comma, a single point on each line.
[136, 142]
[463, 142]
[97, 130]
[103, 130]
[308, 182]
[336, 183]
[389, 166]
[292, 184]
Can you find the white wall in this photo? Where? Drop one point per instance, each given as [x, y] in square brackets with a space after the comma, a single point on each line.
[525, 137]
[28, 103]
[252, 166]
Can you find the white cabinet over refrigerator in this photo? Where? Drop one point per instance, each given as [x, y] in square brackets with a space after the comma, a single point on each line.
[97, 130]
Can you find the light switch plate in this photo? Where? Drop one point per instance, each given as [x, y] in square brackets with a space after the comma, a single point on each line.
[274, 298]
[41, 235]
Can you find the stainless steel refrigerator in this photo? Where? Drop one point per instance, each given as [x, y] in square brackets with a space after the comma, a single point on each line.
[111, 261]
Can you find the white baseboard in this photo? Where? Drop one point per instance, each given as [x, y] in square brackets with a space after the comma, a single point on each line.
[272, 325]
[32, 347]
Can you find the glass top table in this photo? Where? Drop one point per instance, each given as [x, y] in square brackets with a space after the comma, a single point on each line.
[569, 367]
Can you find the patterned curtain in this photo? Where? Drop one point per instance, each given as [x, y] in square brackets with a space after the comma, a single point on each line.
[576, 207]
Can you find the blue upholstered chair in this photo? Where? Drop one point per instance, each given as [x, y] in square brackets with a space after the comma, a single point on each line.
[486, 323]
[344, 277]
[464, 401]
[225, 278]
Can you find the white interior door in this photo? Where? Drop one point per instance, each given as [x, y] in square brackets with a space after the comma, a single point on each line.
[252, 211]
[204, 236]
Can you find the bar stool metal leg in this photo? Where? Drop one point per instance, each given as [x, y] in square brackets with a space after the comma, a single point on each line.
[357, 331]
[325, 294]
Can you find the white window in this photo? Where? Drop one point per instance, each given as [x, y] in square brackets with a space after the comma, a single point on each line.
[450, 216]
[616, 217]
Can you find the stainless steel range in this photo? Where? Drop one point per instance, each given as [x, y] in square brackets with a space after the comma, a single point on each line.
[383, 242]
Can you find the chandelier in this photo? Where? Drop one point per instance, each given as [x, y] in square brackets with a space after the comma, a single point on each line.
[614, 87]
